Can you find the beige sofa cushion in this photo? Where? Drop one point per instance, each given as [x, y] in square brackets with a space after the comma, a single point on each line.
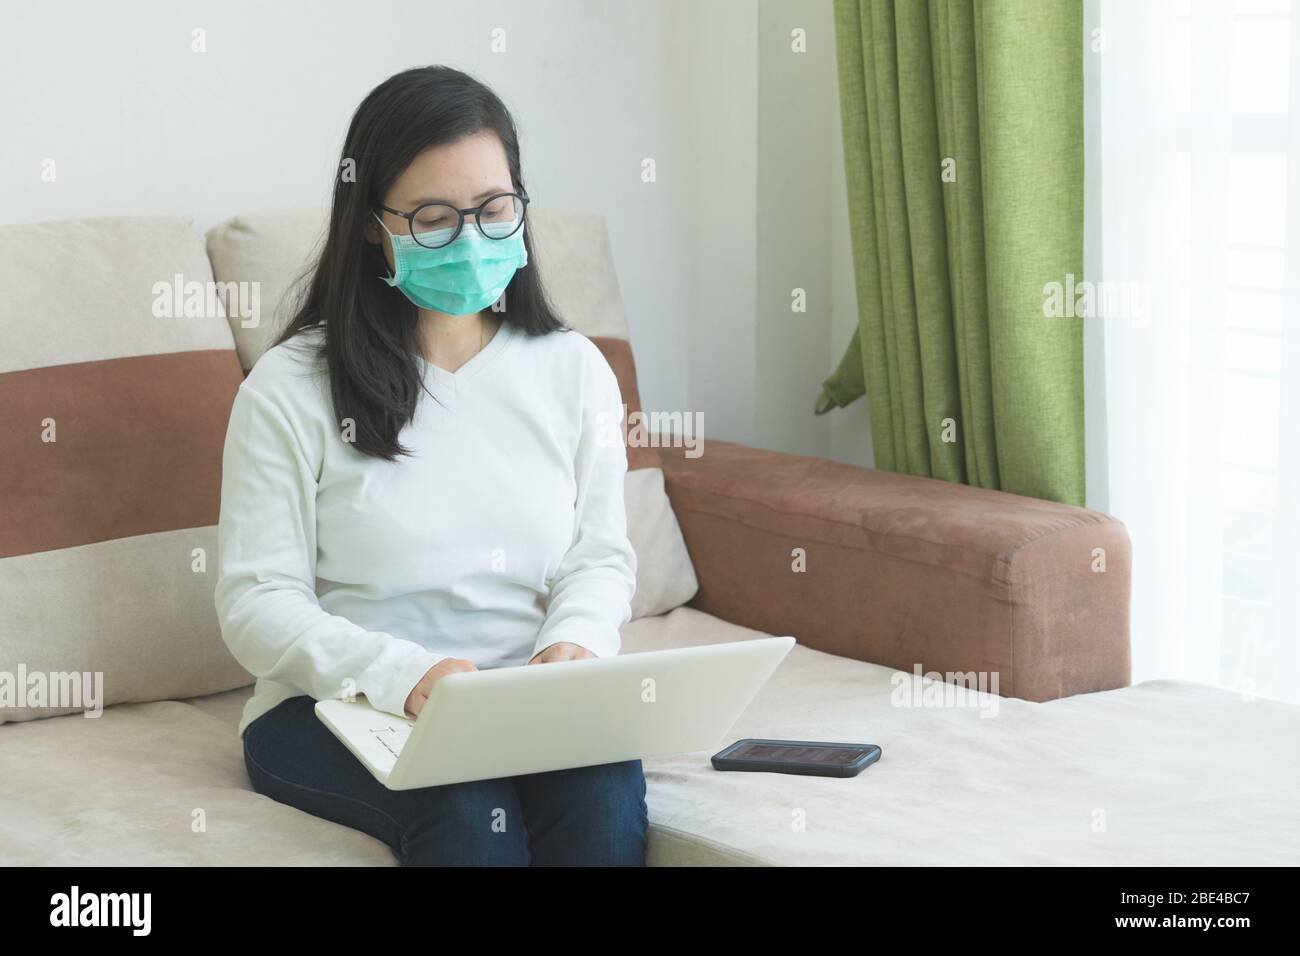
[158, 784]
[665, 577]
[116, 380]
[273, 249]
[577, 267]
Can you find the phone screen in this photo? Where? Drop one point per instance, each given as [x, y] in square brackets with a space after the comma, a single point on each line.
[789, 753]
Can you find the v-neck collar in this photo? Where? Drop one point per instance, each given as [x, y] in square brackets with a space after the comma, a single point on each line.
[442, 381]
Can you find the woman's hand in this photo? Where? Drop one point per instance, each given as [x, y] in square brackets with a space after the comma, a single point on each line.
[416, 699]
[563, 651]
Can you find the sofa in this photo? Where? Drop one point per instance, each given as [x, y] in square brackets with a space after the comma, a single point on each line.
[980, 638]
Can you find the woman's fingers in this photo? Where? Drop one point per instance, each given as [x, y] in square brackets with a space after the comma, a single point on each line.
[563, 651]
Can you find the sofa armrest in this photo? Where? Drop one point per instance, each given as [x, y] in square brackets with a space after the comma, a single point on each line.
[905, 571]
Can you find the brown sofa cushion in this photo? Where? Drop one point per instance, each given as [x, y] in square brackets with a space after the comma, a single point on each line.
[618, 353]
[906, 571]
[664, 576]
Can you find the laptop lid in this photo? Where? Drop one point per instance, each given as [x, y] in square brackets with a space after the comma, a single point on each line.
[528, 719]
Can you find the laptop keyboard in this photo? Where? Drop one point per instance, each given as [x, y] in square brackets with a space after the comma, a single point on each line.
[392, 736]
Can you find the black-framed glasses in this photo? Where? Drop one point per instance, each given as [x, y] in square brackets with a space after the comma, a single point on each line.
[437, 224]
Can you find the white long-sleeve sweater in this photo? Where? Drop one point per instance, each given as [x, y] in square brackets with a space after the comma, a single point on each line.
[502, 533]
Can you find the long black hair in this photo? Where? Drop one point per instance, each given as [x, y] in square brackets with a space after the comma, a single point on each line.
[371, 329]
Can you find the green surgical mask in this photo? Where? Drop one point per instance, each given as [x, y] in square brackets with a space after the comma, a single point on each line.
[460, 278]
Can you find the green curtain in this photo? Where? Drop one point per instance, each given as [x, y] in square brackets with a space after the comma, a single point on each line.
[963, 145]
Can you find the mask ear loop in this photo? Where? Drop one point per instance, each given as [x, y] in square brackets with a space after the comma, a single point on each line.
[390, 280]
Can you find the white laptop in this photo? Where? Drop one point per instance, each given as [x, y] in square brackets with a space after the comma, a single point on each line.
[537, 717]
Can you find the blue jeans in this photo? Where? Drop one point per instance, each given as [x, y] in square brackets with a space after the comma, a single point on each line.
[589, 816]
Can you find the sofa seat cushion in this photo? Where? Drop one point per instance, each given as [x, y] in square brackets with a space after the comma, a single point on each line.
[153, 784]
[1165, 773]
[126, 788]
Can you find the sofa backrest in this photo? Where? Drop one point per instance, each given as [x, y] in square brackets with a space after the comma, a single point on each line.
[123, 352]
[116, 388]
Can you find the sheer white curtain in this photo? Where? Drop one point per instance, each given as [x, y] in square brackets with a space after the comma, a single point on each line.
[1199, 121]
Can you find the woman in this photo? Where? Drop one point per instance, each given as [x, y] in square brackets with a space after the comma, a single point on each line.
[425, 476]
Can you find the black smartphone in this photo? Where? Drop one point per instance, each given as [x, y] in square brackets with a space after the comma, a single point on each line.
[812, 757]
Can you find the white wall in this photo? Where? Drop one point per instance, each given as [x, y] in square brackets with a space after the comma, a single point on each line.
[719, 107]
[796, 68]
[139, 123]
